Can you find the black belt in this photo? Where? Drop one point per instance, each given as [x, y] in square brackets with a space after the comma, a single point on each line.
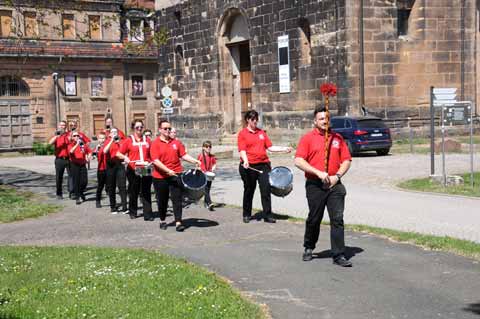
[64, 158]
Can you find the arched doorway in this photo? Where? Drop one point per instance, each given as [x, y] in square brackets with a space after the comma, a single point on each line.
[15, 119]
[235, 67]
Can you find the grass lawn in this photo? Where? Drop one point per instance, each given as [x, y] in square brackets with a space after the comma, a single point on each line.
[427, 185]
[74, 282]
[18, 205]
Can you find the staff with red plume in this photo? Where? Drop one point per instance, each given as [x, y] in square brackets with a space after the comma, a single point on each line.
[328, 90]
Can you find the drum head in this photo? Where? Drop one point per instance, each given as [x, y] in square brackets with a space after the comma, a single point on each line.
[281, 177]
[194, 182]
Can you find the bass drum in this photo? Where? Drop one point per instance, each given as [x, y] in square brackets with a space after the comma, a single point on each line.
[193, 182]
[281, 181]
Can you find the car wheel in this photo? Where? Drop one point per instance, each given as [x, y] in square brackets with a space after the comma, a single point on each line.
[383, 152]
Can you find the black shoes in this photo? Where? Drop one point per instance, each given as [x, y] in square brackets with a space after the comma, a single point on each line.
[211, 208]
[342, 261]
[270, 220]
[83, 197]
[78, 201]
[307, 254]
[149, 219]
[163, 225]
[246, 219]
[180, 228]
[132, 216]
[98, 204]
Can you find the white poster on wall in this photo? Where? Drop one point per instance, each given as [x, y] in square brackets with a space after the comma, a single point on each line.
[283, 64]
[70, 85]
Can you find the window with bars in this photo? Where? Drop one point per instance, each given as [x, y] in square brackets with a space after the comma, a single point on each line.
[12, 86]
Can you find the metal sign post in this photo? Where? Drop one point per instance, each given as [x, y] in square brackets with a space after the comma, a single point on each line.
[444, 172]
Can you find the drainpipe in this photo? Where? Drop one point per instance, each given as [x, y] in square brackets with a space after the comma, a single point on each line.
[362, 57]
[462, 55]
[125, 92]
[57, 99]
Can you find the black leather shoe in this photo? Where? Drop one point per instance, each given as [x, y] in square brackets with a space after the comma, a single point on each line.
[83, 197]
[163, 225]
[246, 219]
[307, 254]
[269, 220]
[210, 208]
[78, 201]
[180, 228]
[149, 219]
[342, 262]
[98, 204]
[133, 216]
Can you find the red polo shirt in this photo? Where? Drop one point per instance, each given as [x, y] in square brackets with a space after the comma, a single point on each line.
[169, 153]
[61, 146]
[255, 144]
[79, 156]
[207, 163]
[132, 150]
[112, 152]
[312, 149]
[102, 158]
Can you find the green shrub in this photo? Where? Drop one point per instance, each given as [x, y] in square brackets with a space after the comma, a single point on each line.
[43, 149]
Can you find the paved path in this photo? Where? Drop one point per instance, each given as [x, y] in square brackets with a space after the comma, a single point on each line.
[388, 280]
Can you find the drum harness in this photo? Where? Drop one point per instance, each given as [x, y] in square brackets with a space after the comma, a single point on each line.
[140, 145]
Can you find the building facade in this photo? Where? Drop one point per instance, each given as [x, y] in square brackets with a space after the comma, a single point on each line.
[224, 57]
[72, 63]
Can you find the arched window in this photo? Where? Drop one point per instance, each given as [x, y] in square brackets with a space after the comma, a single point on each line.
[305, 38]
[13, 86]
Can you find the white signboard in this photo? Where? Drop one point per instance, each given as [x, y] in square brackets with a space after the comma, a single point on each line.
[444, 96]
[166, 91]
[283, 64]
[167, 111]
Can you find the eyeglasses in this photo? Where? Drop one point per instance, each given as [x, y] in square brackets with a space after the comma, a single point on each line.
[167, 128]
[75, 135]
[138, 127]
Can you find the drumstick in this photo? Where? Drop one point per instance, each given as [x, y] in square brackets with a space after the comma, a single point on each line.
[256, 170]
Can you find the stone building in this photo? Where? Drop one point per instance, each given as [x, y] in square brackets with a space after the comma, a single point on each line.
[223, 57]
[71, 63]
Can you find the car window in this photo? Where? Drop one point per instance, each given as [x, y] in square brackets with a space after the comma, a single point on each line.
[371, 123]
[337, 123]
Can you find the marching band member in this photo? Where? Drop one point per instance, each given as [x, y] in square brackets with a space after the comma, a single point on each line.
[60, 142]
[253, 144]
[116, 176]
[109, 126]
[135, 151]
[166, 154]
[101, 168]
[323, 185]
[80, 154]
[208, 164]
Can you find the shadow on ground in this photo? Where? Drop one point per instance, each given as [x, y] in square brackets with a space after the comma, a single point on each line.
[473, 308]
[349, 253]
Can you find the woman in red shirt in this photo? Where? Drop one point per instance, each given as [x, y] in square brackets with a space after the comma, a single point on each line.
[135, 151]
[116, 177]
[80, 154]
[253, 144]
[208, 164]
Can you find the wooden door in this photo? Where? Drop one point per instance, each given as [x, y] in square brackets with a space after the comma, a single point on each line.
[245, 78]
[98, 123]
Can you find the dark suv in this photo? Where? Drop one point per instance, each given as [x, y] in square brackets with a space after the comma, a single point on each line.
[363, 134]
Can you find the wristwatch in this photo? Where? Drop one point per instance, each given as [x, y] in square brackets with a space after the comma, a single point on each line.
[339, 176]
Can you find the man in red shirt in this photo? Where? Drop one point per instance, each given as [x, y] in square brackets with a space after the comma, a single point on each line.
[109, 126]
[60, 141]
[116, 176]
[323, 186]
[79, 156]
[166, 154]
[135, 151]
[253, 144]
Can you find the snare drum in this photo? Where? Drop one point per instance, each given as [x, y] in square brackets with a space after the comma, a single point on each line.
[194, 182]
[145, 170]
[210, 176]
[281, 181]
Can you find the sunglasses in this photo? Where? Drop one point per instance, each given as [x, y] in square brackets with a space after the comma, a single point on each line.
[75, 135]
[167, 128]
[138, 127]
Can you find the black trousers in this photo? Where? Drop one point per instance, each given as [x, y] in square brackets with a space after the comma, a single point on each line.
[61, 165]
[165, 188]
[79, 178]
[208, 199]
[250, 178]
[135, 184]
[319, 198]
[116, 178]
[101, 183]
